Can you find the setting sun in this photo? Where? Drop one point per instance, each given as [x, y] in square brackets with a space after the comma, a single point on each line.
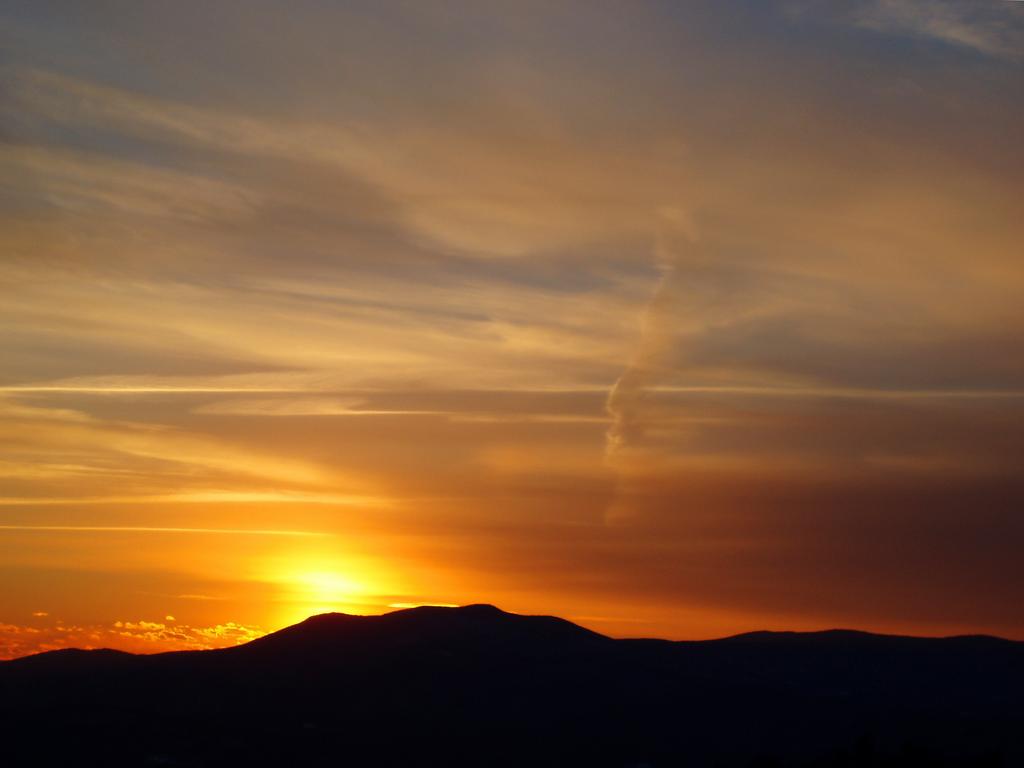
[310, 592]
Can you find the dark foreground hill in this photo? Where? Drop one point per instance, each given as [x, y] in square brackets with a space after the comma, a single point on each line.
[475, 686]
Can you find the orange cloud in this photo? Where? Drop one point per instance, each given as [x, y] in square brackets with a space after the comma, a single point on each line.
[134, 636]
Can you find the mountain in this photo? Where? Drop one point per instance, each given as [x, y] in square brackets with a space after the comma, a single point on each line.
[475, 686]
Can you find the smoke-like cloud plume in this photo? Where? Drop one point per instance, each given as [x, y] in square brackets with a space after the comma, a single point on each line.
[674, 237]
[674, 228]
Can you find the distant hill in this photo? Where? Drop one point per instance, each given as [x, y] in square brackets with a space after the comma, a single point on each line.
[476, 686]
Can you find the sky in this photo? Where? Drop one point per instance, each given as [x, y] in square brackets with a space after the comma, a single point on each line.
[673, 319]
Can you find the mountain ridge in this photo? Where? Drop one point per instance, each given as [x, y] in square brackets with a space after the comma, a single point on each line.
[335, 619]
[475, 685]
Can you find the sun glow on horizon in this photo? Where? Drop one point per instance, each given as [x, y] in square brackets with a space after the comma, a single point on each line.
[309, 585]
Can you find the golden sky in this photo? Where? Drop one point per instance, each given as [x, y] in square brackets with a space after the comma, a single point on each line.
[676, 319]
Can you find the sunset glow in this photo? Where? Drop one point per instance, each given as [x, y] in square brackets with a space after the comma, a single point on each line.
[674, 319]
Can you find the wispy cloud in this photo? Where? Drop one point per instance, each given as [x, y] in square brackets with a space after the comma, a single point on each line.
[100, 185]
[200, 497]
[152, 529]
[990, 28]
[307, 406]
[496, 206]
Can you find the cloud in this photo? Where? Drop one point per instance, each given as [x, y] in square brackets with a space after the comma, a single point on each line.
[494, 204]
[360, 407]
[135, 636]
[675, 243]
[995, 29]
[208, 496]
[27, 434]
[149, 529]
[93, 185]
[155, 636]
[308, 406]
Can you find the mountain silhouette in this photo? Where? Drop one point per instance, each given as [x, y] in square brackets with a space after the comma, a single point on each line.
[476, 686]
